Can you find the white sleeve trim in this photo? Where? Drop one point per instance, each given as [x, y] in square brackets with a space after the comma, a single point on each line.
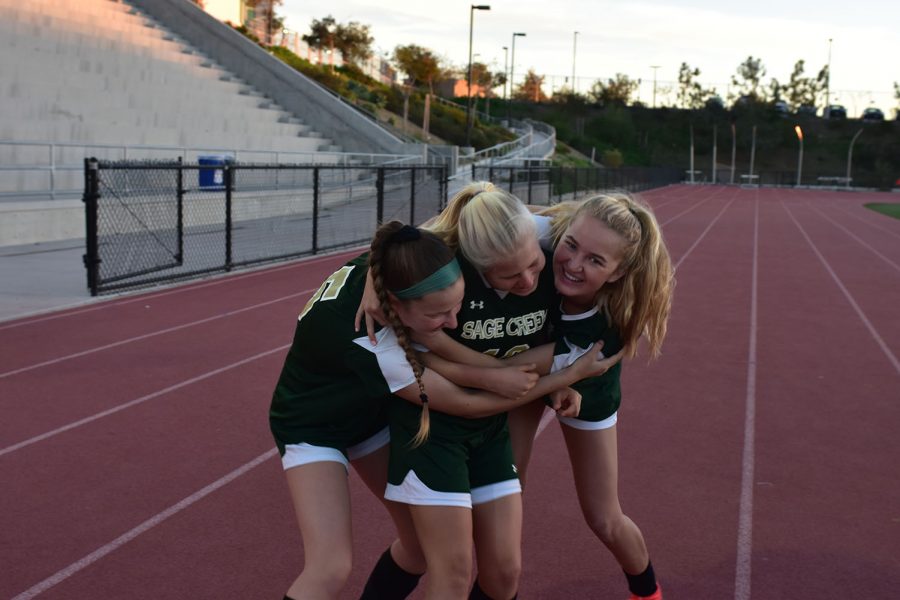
[391, 358]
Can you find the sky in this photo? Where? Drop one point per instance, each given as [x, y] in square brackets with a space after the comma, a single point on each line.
[630, 37]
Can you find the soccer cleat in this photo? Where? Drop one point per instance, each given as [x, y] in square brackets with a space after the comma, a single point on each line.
[657, 595]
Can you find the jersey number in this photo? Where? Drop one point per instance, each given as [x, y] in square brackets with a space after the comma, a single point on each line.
[509, 353]
[329, 289]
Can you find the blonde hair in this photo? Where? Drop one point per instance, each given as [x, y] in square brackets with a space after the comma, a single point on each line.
[400, 257]
[639, 302]
[486, 223]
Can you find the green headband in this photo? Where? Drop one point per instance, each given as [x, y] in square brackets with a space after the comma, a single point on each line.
[439, 280]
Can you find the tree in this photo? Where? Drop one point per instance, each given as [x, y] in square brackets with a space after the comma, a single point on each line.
[352, 40]
[690, 93]
[264, 12]
[748, 80]
[897, 98]
[530, 90]
[802, 90]
[421, 65]
[615, 91]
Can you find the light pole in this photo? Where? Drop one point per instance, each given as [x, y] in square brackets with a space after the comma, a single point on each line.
[512, 68]
[850, 155]
[654, 67]
[828, 77]
[574, 48]
[472, 10]
[799, 158]
[505, 70]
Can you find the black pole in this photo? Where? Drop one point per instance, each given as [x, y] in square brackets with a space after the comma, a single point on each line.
[179, 194]
[379, 191]
[91, 195]
[229, 181]
[412, 196]
[315, 219]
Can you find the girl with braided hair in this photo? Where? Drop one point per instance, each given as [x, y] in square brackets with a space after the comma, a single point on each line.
[462, 481]
[613, 271]
[329, 406]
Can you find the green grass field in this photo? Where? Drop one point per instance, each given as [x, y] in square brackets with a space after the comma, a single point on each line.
[891, 210]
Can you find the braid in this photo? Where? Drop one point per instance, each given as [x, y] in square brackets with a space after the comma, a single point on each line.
[376, 259]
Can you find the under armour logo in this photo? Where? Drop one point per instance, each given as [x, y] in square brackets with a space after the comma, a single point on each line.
[473, 305]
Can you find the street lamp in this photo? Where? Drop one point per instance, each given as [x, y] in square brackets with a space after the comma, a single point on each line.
[512, 68]
[828, 77]
[574, 48]
[850, 155]
[472, 10]
[800, 158]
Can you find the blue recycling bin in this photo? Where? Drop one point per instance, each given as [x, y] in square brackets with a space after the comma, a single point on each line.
[209, 178]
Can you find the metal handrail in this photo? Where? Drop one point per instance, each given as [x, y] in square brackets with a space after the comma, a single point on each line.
[127, 152]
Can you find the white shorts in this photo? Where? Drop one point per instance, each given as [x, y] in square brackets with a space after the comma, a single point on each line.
[590, 425]
[414, 491]
[304, 454]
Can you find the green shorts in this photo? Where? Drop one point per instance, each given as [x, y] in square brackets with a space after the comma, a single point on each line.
[463, 461]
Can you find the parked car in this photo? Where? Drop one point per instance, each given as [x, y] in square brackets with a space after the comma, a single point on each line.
[834, 112]
[781, 108]
[807, 110]
[872, 114]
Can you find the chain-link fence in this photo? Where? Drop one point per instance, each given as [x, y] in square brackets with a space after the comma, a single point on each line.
[149, 222]
[541, 184]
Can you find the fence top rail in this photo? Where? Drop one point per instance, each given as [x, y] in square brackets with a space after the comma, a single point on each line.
[137, 166]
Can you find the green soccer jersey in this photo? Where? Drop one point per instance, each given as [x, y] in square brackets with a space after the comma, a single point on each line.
[334, 384]
[575, 335]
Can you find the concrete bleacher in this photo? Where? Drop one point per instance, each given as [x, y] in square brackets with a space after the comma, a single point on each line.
[105, 78]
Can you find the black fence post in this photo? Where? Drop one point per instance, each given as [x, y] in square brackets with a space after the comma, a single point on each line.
[530, 173]
[315, 207]
[379, 191]
[179, 194]
[91, 195]
[229, 183]
[412, 196]
[444, 185]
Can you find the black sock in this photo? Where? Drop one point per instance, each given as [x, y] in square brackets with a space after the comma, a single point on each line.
[643, 584]
[478, 594]
[388, 580]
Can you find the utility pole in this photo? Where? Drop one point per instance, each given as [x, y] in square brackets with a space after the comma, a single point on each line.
[654, 67]
[574, 48]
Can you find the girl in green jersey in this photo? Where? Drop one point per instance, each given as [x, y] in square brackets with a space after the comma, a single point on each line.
[328, 409]
[613, 271]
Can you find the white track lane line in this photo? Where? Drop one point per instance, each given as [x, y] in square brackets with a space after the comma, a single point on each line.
[147, 525]
[859, 217]
[145, 336]
[856, 237]
[703, 234]
[136, 401]
[184, 287]
[892, 358]
[745, 512]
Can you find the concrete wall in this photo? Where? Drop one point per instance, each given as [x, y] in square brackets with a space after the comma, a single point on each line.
[347, 127]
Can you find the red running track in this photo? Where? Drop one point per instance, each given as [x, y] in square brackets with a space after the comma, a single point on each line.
[758, 454]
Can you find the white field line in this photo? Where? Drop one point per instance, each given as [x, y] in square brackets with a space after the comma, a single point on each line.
[892, 358]
[136, 401]
[145, 336]
[745, 514]
[147, 525]
[861, 241]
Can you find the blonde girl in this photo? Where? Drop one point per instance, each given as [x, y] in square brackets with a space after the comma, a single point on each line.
[614, 274]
